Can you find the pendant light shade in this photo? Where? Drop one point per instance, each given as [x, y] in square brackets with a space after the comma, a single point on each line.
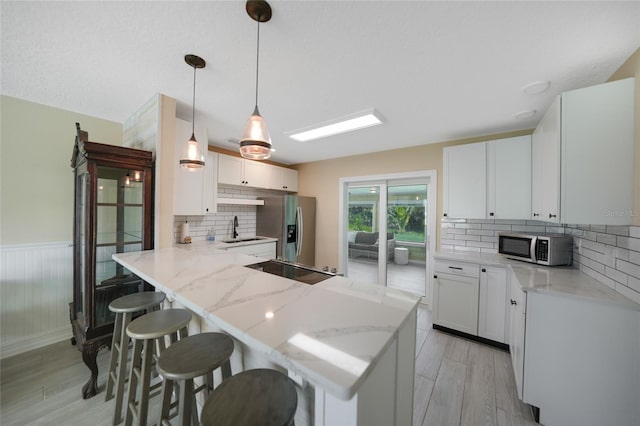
[192, 158]
[256, 141]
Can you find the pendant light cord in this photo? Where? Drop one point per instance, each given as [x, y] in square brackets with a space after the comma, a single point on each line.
[257, 63]
[193, 105]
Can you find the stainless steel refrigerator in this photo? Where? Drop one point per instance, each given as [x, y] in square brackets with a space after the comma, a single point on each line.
[292, 220]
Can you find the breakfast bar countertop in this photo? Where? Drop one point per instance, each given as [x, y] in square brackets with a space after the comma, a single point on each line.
[331, 333]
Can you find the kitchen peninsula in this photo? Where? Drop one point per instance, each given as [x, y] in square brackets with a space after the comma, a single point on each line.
[349, 345]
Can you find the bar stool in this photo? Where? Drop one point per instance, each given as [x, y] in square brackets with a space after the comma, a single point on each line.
[124, 307]
[254, 397]
[145, 331]
[194, 356]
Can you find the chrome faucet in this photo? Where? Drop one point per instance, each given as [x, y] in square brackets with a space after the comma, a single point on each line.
[235, 227]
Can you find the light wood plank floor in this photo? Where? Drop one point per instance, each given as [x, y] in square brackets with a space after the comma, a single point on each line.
[410, 277]
[457, 382]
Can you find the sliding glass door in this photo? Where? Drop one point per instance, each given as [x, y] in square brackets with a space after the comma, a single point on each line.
[365, 215]
[387, 233]
[407, 225]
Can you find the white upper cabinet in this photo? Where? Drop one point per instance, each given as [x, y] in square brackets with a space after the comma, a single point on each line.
[488, 180]
[283, 179]
[194, 192]
[509, 178]
[255, 173]
[238, 171]
[545, 157]
[464, 181]
[583, 157]
[211, 183]
[230, 170]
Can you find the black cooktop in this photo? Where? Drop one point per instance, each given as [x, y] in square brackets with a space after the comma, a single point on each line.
[292, 271]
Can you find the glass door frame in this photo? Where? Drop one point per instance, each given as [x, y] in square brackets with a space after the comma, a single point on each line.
[431, 177]
[380, 226]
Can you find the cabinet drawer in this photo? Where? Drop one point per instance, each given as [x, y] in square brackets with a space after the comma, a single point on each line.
[458, 268]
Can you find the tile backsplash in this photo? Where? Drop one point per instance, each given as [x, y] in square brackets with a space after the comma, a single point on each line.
[609, 254]
[221, 223]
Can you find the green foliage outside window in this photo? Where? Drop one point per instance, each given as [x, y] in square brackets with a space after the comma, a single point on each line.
[406, 222]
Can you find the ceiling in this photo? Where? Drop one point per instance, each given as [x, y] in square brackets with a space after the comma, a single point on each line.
[435, 71]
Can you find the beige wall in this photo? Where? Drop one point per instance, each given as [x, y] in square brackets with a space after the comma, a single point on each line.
[631, 68]
[320, 179]
[36, 178]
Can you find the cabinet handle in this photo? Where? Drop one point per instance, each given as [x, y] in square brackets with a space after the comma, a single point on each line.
[491, 214]
[435, 276]
[455, 267]
[484, 270]
[551, 215]
[445, 215]
[535, 214]
[513, 302]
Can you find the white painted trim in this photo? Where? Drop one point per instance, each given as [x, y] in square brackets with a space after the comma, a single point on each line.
[432, 204]
[32, 245]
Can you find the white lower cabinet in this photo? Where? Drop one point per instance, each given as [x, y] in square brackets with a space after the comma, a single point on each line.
[575, 359]
[517, 311]
[492, 312]
[471, 298]
[457, 302]
[455, 287]
[267, 249]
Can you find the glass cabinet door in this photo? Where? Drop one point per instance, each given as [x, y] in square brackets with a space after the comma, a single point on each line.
[82, 206]
[119, 228]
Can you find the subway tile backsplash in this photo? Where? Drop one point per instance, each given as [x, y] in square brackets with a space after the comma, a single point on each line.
[221, 223]
[609, 254]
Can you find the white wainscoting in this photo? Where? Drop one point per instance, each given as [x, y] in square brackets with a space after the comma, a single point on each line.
[36, 286]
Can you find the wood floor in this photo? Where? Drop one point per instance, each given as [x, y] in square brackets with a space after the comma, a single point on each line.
[457, 382]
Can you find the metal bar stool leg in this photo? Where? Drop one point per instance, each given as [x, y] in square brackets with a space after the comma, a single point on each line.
[122, 367]
[136, 362]
[114, 356]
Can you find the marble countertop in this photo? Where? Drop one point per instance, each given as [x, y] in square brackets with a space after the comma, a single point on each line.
[220, 244]
[559, 280]
[332, 333]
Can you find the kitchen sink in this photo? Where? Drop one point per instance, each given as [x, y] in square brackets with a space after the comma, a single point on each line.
[241, 240]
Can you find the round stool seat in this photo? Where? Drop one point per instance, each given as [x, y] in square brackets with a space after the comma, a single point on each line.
[135, 302]
[195, 356]
[253, 397]
[158, 324]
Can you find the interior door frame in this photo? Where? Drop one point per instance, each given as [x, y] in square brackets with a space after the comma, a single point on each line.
[431, 177]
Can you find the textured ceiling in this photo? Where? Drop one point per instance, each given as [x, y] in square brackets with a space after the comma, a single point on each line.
[435, 71]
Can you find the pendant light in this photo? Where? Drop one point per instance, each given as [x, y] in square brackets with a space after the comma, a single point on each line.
[192, 158]
[256, 142]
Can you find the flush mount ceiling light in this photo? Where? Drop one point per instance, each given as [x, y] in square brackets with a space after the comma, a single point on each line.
[523, 115]
[356, 121]
[192, 158]
[536, 87]
[256, 141]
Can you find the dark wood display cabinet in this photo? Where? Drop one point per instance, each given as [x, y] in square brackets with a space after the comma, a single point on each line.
[112, 214]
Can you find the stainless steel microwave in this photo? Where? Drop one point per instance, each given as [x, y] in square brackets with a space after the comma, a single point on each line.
[544, 249]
